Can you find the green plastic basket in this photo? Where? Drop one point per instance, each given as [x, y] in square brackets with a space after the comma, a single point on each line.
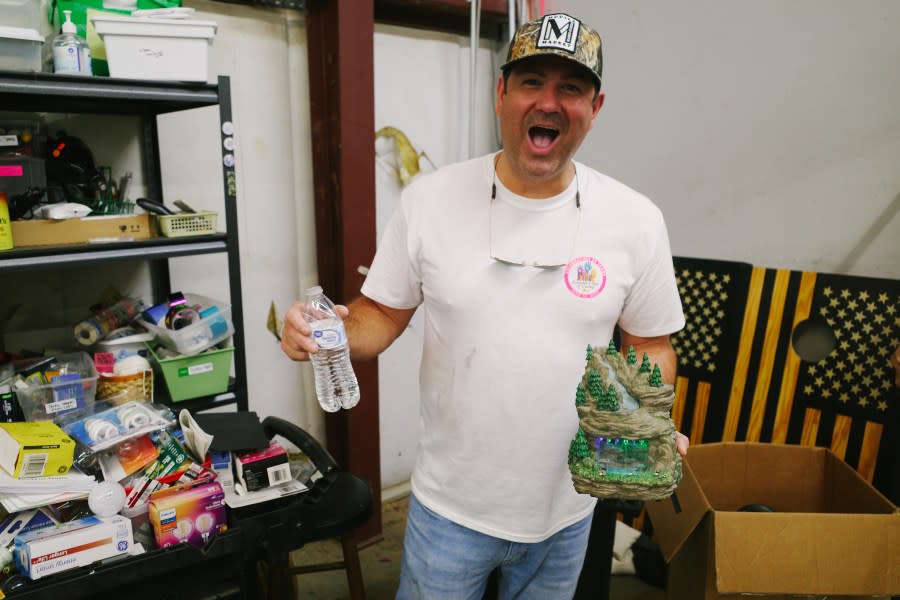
[194, 376]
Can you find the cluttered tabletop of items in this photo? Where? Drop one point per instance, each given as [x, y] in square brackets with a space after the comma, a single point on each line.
[92, 469]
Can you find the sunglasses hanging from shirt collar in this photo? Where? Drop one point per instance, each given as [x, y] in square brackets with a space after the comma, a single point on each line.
[523, 262]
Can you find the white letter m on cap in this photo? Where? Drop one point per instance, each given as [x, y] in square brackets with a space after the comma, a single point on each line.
[559, 31]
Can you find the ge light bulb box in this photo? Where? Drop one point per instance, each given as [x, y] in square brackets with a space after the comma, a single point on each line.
[73, 544]
[35, 449]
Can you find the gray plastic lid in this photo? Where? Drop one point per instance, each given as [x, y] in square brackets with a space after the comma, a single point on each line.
[20, 33]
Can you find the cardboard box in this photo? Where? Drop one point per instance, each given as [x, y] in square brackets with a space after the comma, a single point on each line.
[262, 468]
[832, 534]
[35, 449]
[191, 512]
[45, 232]
[73, 544]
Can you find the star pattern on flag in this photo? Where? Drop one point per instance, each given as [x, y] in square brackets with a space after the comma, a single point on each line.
[704, 297]
[857, 374]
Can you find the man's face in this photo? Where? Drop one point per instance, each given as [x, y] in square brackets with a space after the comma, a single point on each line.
[546, 109]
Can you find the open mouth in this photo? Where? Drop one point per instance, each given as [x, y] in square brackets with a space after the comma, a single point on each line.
[542, 137]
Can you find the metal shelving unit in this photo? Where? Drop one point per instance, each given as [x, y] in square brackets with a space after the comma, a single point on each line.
[51, 93]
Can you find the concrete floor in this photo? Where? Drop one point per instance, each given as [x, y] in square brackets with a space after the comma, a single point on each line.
[381, 566]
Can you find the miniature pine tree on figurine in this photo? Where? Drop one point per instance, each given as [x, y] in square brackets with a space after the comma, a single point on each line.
[611, 349]
[612, 396]
[645, 364]
[632, 355]
[600, 398]
[609, 400]
[595, 383]
[655, 377]
[589, 355]
[580, 398]
[579, 447]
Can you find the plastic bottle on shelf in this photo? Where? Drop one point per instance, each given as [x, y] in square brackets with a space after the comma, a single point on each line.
[336, 385]
[6, 237]
[71, 54]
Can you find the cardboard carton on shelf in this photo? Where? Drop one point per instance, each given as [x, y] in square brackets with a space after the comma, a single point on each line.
[106, 228]
[831, 533]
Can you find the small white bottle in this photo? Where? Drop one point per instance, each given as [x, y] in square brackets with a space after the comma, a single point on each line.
[71, 54]
[336, 384]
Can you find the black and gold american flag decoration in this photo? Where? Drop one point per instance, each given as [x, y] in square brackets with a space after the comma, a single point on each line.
[739, 379]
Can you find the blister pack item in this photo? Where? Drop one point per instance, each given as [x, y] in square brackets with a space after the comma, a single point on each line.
[106, 428]
[125, 458]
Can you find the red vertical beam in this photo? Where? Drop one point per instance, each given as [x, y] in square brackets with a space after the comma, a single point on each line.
[340, 37]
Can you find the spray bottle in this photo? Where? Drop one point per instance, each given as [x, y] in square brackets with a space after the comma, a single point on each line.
[71, 54]
[6, 239]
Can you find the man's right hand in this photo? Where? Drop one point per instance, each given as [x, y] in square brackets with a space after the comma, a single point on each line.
[296, 337]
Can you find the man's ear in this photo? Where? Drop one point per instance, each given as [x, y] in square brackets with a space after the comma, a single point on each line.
[598, 102]
[500, 94]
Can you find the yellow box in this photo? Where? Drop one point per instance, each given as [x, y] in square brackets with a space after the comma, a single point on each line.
[35, 449]
[106, 228]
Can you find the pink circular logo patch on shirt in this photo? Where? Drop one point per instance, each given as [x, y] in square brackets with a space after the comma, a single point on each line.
[585, 277]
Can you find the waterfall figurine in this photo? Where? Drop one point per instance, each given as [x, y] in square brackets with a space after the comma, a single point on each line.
[625, 444]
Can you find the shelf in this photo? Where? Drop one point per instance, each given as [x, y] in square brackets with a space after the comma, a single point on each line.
[72, 94]
[51, 257]
[49, 92]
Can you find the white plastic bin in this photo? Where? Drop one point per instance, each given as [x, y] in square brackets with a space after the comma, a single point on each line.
[213, 328]
[157, 49]
[20, 49]
[21, 13]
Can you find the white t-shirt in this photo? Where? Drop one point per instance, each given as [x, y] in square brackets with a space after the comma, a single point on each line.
[504, 346]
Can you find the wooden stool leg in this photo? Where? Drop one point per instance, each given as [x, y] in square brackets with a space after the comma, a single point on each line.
[352, 566]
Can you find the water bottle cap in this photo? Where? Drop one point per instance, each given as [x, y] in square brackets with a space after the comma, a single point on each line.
[314, 290]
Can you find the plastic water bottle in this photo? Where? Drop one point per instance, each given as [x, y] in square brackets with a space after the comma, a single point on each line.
[336, 385]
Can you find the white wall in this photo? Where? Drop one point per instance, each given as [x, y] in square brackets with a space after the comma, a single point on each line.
[768, 132]
[264, 53]
[435, 119]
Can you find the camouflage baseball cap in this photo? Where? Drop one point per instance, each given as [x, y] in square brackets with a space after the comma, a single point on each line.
[558, 35]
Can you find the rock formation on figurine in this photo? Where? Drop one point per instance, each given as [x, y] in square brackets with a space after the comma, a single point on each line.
[625, 444]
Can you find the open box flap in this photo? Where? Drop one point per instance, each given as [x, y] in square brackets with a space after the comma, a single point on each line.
[673, 528]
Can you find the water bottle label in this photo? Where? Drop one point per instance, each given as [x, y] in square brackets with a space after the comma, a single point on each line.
[330, 337]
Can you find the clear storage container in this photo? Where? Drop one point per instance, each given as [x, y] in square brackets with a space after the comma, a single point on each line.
[215, 326]
[72, 385]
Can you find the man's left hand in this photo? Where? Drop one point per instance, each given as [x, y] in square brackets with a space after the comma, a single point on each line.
[681, 443]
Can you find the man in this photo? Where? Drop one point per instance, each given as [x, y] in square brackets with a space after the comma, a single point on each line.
[521, 259]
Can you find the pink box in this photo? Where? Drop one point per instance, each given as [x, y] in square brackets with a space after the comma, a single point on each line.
[192, 512]
[261, 468]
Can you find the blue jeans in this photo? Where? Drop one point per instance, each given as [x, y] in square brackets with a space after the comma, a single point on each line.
[446, 561]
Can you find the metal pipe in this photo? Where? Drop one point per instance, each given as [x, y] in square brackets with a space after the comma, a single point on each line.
[474, 39]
